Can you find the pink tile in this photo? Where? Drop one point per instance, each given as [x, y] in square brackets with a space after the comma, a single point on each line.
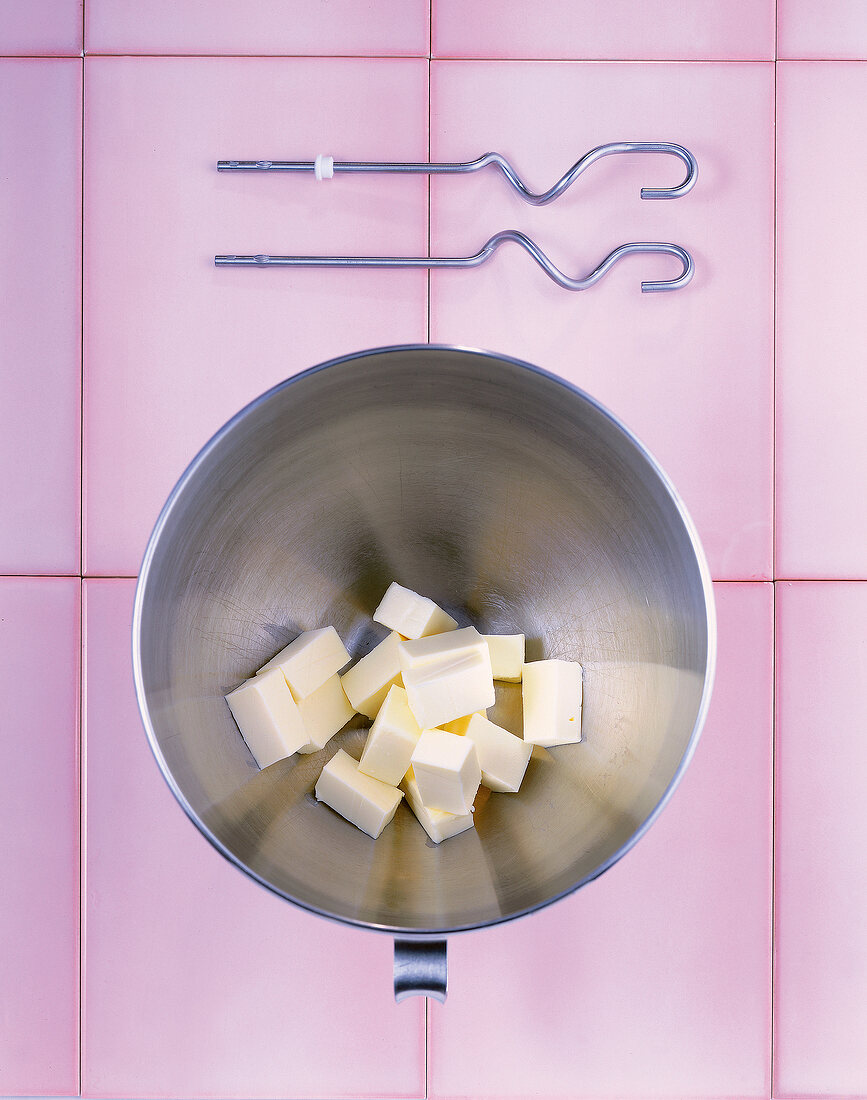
[832, 29]
[821, 343]
[197, 981]
[821, 837]
[40, 314]
[40, 27]
[260, 27]
[690, 371]
[173, 346]
[39, 824]
[640, 30]
[654, 981]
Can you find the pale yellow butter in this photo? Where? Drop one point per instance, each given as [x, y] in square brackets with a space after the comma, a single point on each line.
[438, 824]
[366, 684]
[310, 660]
[441, 691]
[447, 772]
[410, 614]
[503, 757]
[324, 712]
[507, 656]
[268, 717]
[441, 647]
[392, 738]
[368, 803]
[552, 692]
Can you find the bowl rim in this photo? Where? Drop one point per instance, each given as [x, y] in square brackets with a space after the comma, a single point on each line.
[707, 592]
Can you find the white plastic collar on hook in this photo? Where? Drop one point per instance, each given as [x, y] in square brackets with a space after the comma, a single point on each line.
[323, 167]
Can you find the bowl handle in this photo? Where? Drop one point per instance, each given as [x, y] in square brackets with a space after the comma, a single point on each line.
[420, 969]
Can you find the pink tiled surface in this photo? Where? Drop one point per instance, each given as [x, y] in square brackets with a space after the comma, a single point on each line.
[654, 980]
[235, 992]
[832, 29]
[821, 835]
[821, 382]
[153, 296]
[39, 812]
[40, 314]
[631, 30]
[41, 27]
[690, 373]
[261, 27]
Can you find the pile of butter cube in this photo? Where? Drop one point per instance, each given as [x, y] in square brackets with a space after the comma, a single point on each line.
[427, 688]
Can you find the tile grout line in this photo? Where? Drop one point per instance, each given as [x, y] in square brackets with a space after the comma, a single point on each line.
[655, 61]
[771, 976]
[258, 56]
[774, 324]
[40, 56]
[443, 57]
[429, 193]
[773, 851]
[774, 317]
[82, 897]
[429, 189]
[82, 878]
[81, 326]
[773, 792]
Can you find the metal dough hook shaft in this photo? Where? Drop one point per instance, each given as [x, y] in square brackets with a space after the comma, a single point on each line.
[485, 253]
[325, 167]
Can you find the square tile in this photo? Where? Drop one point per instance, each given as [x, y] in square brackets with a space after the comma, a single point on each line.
[832, 29]
[175, 346]
[653, 981]
[821, 342]
[39, 823]
[260, 27]
[198, 983]
[689, 371]
[41, 27]
[40, 315]
[639, 30]
[821, 836]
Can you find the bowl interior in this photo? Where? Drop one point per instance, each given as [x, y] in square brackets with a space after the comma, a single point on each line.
[515, 502]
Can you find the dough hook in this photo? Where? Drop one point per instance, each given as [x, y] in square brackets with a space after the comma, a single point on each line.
[324, 168]
[485, 252]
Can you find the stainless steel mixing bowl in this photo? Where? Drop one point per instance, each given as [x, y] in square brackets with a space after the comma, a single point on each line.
[516, 502]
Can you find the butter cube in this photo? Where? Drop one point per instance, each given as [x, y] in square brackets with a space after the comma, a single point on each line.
[310, 660]
[323, 712]
[507, 656]
[366, 802]
[503, 757]
[552, 692]
[392, 738]
[411, 615]
[447, 772]
[268, 717]
[439, 647]
[441, 691]
[438, 824]
[460, 725]
[366, 684]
